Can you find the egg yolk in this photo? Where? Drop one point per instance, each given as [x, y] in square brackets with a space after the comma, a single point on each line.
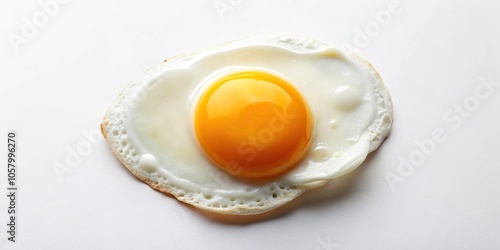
[253, 124]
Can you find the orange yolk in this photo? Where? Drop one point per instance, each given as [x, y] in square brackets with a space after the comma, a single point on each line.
[253, 124]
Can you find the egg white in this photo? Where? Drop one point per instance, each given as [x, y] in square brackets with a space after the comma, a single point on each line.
[150, 125]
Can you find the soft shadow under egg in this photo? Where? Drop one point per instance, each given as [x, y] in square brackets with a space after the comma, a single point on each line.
[335, 190]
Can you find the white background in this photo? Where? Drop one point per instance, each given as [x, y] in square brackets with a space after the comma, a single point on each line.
[58, 79]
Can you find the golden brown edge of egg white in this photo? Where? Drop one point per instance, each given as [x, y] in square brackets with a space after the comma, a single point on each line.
[274, 207]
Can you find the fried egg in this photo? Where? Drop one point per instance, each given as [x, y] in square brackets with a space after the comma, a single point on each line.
[250, 125]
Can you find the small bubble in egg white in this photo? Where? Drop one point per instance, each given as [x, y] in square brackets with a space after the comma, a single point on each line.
[321, 152]
[334, 123]
[347, 97]
[337, 154]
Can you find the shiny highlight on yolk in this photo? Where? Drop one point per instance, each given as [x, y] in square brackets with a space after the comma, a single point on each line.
[253, 124]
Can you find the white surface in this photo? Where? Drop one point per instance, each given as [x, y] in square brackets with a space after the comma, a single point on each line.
[58, 85]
